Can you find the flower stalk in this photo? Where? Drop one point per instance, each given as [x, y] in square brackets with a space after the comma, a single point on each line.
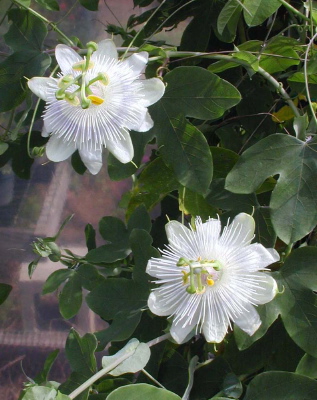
[108, 369]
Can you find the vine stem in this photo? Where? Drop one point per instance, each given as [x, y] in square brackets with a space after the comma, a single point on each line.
[294, 10]
[306, 79]
[38, 15]
[278, 85]
[118, 361]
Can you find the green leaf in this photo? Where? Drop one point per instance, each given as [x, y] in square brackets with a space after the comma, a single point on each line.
[251, 59]
[80, 353]
[229, 18]
[49, 4]
[281, 386]
[209, 380]
[232, 386]
[307, 366]
[224, 160]
[90, 235]
[257, 11]
[72, 383]
[116, 234]
[25, 36]
[61, 396]
[26, 31]
[274, 351]
[140, 219]
[89, 275]
[142, 391]
[3, 147]
[197, 33]
[120, 329]
[184, 149]
[279, 54]
[192, 92]
[298, 303]
[71, 297]
[13, 73]
[297, 83]
[56, 279]
[117, 295]
[78, 164]
[40, 393]
[43, 375]
[198, 93]
[140, 355]
[141, 245]
[294, 198]
[4, 292]
[153, 184]
[194, 204]
[91, 5]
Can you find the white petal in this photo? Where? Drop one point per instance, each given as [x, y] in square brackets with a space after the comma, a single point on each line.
[240, 232]
[207, 235]
[175, 230]
[58, 150]
[263, 256]
[66, 57]
[106, 49]
[122, 149]
[137, 62]
[267, 288]
[42, 86]
[144, 125]
[181, 332]
[152, 90]
[159, 306]
[45, 131]
[214, 331]
[92, 159]
[249, 321]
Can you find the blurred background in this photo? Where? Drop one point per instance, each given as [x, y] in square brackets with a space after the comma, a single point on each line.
[30, 324]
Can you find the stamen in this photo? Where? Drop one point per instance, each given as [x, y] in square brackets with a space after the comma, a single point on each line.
[210, 281]
[72, 99]
[81, 65]
[96, 100]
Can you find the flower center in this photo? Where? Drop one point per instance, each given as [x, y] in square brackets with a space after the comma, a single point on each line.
[200, 274]
[83, 95]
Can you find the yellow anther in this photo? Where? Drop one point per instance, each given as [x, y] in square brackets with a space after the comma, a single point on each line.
[80, 65]
[185, 277]
[210, 281]
[96, 100]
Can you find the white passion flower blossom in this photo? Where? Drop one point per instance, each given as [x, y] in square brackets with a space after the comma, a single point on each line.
[208, 279]
[94, 103]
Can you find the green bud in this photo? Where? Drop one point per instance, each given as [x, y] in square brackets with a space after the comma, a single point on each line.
[38, 151]
[55, 252]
